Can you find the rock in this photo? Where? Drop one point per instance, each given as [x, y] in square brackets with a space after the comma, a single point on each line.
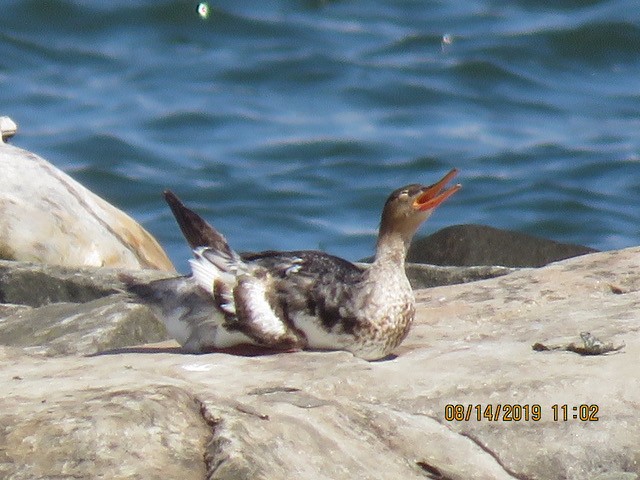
[151, 413]
[8, 128]
[427, 276]
[465, 245]
[61, 311]
[117, 429]
[66, 328]
[67, 224]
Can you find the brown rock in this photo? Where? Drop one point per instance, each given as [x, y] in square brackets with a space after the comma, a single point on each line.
[67, 224]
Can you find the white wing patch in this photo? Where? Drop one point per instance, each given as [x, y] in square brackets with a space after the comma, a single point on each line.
[204, 272]
[251, 299]
[243, 292]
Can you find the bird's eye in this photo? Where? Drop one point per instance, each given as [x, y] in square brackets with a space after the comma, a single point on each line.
[403, 195]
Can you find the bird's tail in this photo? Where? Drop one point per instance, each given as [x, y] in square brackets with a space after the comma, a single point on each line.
[194, 228]
[216, 265]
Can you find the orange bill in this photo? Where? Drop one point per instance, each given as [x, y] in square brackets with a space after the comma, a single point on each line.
[434, 195]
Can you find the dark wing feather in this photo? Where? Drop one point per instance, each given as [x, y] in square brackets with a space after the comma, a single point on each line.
[310, 263]
[314, 283]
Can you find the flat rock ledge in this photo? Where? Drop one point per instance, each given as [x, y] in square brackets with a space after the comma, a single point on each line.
[152, 412]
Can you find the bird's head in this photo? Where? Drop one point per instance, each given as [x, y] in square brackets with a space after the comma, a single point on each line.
[409, 206]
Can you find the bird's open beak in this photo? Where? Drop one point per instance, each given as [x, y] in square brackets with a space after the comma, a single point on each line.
[433, 196]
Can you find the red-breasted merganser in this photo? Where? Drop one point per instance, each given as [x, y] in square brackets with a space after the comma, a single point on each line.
[298, 299]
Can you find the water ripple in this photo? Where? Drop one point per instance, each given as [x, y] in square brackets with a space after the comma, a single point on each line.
[287, 123]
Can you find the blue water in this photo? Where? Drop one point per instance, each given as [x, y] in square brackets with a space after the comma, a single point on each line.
[286, 123]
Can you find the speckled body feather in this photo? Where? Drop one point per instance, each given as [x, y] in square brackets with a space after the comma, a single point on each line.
[335, 304]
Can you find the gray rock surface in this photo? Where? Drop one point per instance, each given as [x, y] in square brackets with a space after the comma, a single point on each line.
[426, 276]
[60, 311]
[151, 412]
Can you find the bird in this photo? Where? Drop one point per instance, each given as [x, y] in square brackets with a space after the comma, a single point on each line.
[294, 300]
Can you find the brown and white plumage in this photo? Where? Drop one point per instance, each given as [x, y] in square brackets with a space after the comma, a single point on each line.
[298, 299]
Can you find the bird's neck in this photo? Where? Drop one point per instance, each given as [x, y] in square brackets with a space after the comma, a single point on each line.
[391, 250]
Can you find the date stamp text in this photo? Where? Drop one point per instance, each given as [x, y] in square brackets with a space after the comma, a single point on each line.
[516, 412]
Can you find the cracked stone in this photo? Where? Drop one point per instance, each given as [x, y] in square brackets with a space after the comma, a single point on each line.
[152, 412]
